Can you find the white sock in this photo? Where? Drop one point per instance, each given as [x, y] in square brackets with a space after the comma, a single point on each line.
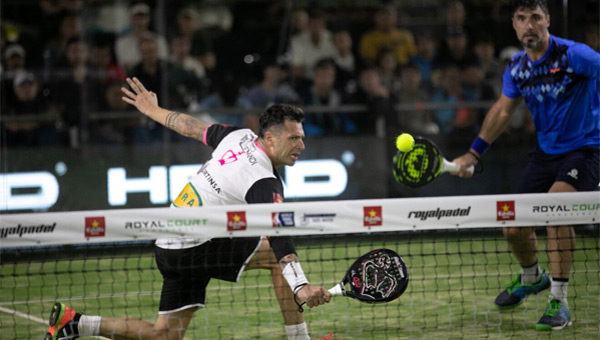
[558, 290]
[297, 332]
[531, 274]
[89, 325]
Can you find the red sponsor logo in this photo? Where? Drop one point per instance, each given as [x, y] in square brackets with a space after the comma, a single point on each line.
[505, 210]
[236, 220]
[356, 282]
[277, 198]
[372, 216]
[95, 227]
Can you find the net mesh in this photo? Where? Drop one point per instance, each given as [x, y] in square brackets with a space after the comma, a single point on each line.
[454, 278]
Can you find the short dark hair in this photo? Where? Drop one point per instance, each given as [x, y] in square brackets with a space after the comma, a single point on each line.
[530, 4]
[276, 115]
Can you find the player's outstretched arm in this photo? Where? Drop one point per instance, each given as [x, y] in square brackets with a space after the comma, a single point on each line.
[147, 103]
[312, 295]
[495, 122]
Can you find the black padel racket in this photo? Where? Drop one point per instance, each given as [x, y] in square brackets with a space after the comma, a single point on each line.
[377, 276]
[422, 164]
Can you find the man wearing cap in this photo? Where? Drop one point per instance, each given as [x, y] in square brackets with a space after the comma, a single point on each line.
[127, 46]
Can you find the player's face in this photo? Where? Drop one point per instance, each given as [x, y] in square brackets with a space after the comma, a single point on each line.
[531, 27]
[287, 144]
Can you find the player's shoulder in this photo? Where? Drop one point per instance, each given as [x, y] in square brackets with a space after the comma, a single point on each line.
[572, 47]
[216, 133]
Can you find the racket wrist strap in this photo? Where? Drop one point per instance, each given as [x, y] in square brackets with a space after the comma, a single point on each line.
[480, 145]
[294, 275]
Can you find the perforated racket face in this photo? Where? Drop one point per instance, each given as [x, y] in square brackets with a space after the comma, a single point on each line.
[418, 166]
[378, 276]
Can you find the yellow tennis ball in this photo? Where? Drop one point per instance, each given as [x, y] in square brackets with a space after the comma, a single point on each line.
[405, 142]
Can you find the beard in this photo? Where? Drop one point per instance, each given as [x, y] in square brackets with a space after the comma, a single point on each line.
[531, 41]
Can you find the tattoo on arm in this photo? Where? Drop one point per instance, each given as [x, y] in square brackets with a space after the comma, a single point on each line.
[185, 125]
[170, 121]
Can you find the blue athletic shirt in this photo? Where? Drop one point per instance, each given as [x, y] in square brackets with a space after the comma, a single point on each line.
[561, 91]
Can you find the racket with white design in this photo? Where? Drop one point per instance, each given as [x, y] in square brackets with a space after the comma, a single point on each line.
[377, 276]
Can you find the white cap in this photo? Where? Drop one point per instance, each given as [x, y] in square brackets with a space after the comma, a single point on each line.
[14, 49]
[139, 8]
[22, 77]
[508, 52]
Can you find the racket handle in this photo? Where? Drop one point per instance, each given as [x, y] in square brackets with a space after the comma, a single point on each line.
[337, 289]
[453, 167]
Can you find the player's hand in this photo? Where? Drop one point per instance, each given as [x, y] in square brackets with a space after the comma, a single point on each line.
[142, 99]
[313, 295]
[465, 161]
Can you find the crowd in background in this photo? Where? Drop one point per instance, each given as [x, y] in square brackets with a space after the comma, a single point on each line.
[202, 56]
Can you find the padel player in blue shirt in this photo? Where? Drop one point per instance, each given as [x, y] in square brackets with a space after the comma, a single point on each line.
[558, 79]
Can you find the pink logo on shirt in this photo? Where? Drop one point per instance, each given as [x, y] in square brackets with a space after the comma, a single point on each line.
[229, 157]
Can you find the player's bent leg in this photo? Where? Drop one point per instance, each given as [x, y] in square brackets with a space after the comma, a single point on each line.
[126, 328]
[172, 326]
[517, 292]
[523, 243]
[293, 319]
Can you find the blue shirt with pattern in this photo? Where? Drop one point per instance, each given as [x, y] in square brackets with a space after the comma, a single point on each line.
[561, 91]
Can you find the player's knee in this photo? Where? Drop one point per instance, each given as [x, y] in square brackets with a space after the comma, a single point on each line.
[516, 234]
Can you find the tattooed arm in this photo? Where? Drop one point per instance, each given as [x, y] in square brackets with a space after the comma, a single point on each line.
[147, 103]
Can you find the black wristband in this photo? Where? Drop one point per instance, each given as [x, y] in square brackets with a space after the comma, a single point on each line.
[475, 155]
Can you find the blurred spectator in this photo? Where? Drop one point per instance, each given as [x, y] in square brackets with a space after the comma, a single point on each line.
[271, 89]
[14, 58]
[102, 57]
[13, 64]
[127, 47]
[416, 121]
[381, 118]
[123, 131]
[427, 49]
[108, 17]
[455, 52]
[175, 87]
[299, 21]
[345, 62]
[486, 54]
[387, 35]
[215, 17]
[53, 12]
[227, 95]
[458, 123]
[180, 56]
[389, 72]
[76, 85]
[344, 57]
[309, 47]
[323, 93]
[200, 44]
[474, 85]
[455, 15]
[29, 100]
[70, 27]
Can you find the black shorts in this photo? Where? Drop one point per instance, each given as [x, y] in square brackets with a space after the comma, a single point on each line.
[580, 168]
[186, 272]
